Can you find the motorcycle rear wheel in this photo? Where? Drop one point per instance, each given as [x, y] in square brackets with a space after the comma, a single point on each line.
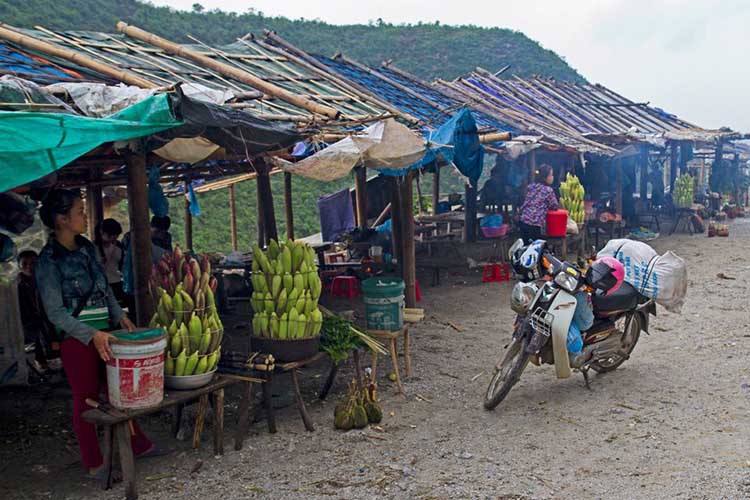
[630, 339]
[507, 373]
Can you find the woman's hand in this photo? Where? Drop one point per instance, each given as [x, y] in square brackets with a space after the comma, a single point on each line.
[126, 324]
[101, 342]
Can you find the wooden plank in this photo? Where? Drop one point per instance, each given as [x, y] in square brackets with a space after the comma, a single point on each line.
[140, 231]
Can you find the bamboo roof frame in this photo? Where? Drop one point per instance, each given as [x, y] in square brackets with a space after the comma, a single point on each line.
[265, 81]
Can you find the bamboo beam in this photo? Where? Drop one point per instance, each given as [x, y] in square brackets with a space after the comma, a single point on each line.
[494, 137]
[233, 217]
[381, 218]
[227, 70]
[360, 195]
[140, 236]
[31, 43]
[188, 220]
[312, 64]
[288, 212]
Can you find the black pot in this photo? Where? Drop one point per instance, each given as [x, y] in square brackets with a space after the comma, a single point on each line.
[286, 350]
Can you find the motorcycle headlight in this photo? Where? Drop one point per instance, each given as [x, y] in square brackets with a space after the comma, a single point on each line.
[522, 296]
[567, 282]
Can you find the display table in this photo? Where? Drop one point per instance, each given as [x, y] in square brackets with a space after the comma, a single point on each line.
[117, 425]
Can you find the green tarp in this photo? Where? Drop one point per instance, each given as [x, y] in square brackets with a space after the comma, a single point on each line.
[33, 145]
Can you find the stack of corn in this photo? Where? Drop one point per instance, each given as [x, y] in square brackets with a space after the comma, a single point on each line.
[286, 289]
[186, 310]
[571, 198]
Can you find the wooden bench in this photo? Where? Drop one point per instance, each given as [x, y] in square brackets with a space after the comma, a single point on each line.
[117, 428]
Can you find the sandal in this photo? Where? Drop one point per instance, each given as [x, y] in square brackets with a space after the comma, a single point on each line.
[99, 475]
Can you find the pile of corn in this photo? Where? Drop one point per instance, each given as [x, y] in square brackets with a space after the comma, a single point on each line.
[286, 289]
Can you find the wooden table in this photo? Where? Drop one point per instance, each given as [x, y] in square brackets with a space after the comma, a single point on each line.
[685, 216]
[117, 425]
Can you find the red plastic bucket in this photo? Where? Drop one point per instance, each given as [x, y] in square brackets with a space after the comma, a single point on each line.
[135, 374]
[557, 223]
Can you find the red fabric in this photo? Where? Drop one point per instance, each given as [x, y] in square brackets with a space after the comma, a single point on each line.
[84, 369]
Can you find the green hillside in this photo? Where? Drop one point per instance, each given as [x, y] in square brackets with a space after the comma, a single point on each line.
[427, 50]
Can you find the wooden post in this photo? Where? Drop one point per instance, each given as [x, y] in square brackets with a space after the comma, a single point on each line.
[288, 213]
[188, 219]
[420, 201]
[435, 189]
[259, 209]
[360, 182]
[233, 216]
[470, 213]
[618, 187]
[140, 232]
[265, 200]
[94, 203]
[644, 174]
[396, 219]
[672, 165]
[408, 266]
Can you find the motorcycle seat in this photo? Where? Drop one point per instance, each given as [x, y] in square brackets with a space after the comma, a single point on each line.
[626, 297]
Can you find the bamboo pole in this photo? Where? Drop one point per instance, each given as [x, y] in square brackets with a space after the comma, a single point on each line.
[360, 195]
[288, 210]
[494, 137]
[381, 218]
[227, 70]
[140, 236]
[53, 50]
[321, 69]
[233, 217]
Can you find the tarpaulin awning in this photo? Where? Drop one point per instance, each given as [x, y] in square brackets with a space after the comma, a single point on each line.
[33, 145]
[392, 149]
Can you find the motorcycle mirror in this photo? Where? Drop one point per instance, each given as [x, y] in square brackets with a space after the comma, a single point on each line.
[515, 246]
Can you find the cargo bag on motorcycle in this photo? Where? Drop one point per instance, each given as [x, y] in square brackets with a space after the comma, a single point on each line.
[659, 277]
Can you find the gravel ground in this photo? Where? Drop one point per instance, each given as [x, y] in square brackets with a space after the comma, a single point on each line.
[668, 424]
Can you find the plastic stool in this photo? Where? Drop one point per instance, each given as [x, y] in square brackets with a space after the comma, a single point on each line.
[496, 273]
[345, 286]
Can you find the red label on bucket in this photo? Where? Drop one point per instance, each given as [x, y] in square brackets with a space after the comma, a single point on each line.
[136, 382]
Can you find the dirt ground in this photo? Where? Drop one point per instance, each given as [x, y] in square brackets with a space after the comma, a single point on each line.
[672, 422]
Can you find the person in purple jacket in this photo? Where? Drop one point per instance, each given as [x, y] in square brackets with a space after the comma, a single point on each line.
[540, 197]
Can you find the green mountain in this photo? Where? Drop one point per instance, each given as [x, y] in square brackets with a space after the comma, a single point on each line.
[427, 50]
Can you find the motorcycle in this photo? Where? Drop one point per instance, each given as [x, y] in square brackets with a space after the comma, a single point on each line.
[544, 314]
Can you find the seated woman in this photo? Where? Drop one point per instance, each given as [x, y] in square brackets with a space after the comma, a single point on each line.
[70, 280]
[540, 198]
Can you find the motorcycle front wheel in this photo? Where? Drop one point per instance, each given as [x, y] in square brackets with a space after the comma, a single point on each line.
[507, 373]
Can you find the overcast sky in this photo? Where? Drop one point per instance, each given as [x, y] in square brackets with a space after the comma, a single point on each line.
[689, 57]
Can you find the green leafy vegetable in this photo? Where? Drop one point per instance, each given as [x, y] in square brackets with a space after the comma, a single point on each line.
[337, 338]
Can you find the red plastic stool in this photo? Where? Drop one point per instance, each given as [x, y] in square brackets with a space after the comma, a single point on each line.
[496, 273]
[416, 290]
[345, 286]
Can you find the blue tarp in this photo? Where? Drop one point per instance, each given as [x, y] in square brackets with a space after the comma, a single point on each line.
[456, 141]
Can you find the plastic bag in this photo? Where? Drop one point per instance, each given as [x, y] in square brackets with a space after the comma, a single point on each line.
[662, 278]
[572, 227]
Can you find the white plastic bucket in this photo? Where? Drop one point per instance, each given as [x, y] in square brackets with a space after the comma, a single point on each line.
[135, 374]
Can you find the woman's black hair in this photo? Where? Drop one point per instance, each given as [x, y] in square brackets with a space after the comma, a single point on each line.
[542, 173]
[26, 254]
[57, 202]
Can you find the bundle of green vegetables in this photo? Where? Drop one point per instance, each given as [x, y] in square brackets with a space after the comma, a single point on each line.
[337, 338]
